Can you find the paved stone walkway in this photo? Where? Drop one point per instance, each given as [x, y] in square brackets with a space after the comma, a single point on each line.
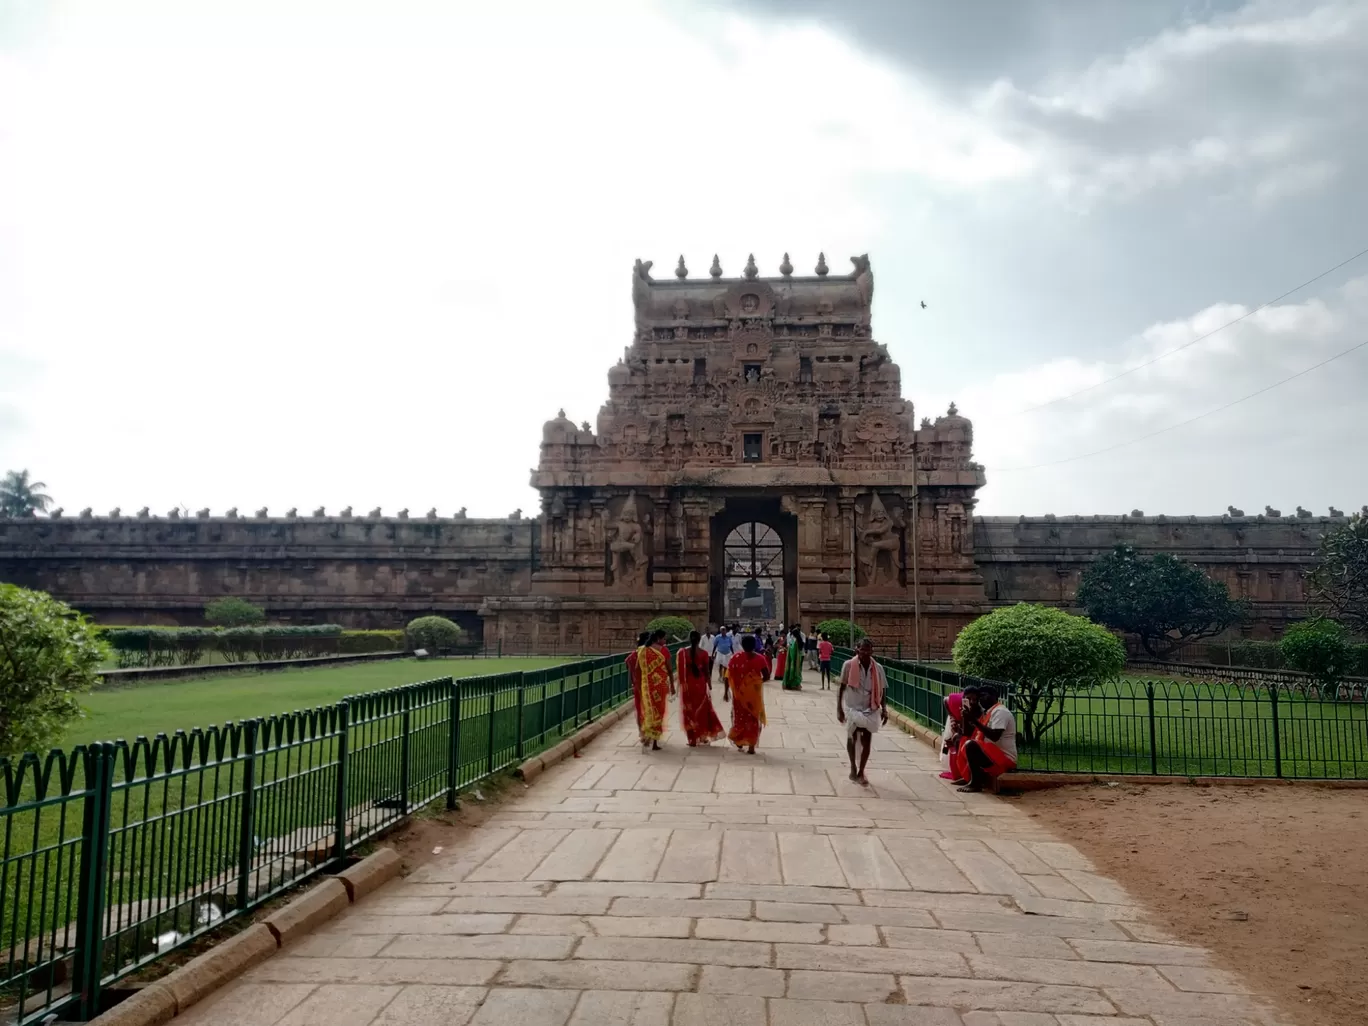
[705, 886]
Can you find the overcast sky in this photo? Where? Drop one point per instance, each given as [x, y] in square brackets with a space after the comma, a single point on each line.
[302, 254]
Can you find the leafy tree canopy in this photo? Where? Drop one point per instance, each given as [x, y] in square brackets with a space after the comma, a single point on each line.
[841, 632]
[434, 633]
[49, 654]
[234, 612]
[22, 497]
[1044, 654]
[1161, 600]
[1318, 647]
[1340, 578]
[676, 628]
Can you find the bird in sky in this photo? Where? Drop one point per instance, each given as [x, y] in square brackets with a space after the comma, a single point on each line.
[923, 303]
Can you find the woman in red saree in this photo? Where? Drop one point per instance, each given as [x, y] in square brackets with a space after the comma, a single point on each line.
[695, 704]
[952, 738]
[746, 680]
[652, 693]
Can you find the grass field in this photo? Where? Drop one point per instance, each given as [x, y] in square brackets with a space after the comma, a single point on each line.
[128, 711]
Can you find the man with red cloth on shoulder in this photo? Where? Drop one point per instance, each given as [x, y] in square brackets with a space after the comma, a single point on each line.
[989, 749]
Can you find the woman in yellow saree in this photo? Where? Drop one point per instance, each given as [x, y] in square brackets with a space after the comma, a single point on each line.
[653, 692]
[746, 681]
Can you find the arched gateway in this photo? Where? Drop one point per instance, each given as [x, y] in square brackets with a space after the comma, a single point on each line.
[755, 448]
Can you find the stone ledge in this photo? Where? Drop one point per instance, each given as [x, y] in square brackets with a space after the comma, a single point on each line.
[315, 906]
[370, 873]
[538, 764]
[150, 1006]
[205, 974]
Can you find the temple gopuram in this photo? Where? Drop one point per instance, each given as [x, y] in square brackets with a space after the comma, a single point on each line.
[755, 461]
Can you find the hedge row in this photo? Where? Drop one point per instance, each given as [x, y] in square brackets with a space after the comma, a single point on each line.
[1267, 655]
[186, 646]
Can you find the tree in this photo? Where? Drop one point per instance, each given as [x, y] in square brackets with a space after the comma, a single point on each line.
[1340, 578]
[49, 654]
[1162, 600]
[434, 633]
[841, 632]
[20, 497]
[1044, 654]
[1319, 647]
[676, 628]
[234, 612]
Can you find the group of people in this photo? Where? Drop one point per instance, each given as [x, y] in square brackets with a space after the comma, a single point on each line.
[979, 739]
[861, 701]
[785, 652]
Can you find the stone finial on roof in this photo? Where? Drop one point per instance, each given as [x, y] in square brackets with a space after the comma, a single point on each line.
[1303, 514]
[1235, 512]
[173, 513]
[926, 422]
[953, 410]
[1336, 512]
[432, 513]
[262, 513]
[460, 514]
[716, 269]
[1269, 511]
[403, 513]
[87, 513]
[822, 267]
[231, 514]
[292, 512]
[681, 271]
[1137, 513]
[202, 514]
[751, 271]
[144, 513]
[114, 512]
[346, 511]
[320, 512]
[786, 268]
[375, 514]
[56, 514]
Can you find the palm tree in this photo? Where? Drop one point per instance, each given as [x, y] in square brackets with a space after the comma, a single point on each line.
[20, 497]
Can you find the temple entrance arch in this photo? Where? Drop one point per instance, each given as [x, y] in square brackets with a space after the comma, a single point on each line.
[753, 576]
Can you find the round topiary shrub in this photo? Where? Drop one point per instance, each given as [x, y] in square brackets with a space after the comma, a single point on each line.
[841, 633]
[1319, 647]
[434, 633]
[1044, 654]
[676, 628]
[234, 612]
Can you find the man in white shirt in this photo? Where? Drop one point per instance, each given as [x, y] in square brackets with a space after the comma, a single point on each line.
[991, 748]
[706, 644]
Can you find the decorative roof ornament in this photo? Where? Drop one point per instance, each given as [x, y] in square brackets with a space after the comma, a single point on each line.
[716, 269]
[681, 271]
[786, 268]
[822, 267]
[954, 410]
[751, 270]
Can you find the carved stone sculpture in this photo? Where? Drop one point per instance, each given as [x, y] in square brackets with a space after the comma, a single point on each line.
[56, 514]
[346, 511]
[403, 513]
[144, 513]
[1269, 511]
[320, 512]
[173, 513]
[641, 292]
[1235, 512]
[432, 513]
[232, 513]
[627, 546]
[460, 514]
[516, 515]
[262, 513]
[864, 278]
[87, 513]
[202, 514]
[1137, 513]
[1303, 514]
[374, 514]
[292, 512]
[878, 537]
[114, 512]
[1336, 512]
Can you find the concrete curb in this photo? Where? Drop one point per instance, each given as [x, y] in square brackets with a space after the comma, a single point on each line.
[175, 993]
[538, 764]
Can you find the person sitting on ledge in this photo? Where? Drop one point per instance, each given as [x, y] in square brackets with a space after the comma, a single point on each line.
[989, 749]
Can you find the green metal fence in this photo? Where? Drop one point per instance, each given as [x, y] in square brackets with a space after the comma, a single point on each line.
[1169, 727]
[114, 854]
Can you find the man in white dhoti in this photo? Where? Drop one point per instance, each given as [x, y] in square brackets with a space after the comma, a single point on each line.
[860, 705]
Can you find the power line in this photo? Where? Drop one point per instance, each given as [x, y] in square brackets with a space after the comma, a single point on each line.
[1190, 420]
[1186, 345]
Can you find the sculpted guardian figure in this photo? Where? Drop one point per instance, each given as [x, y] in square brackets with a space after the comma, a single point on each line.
[627, 546]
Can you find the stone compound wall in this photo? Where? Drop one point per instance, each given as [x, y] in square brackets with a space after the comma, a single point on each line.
[359, 572]
[382, 572]
[1260, 559]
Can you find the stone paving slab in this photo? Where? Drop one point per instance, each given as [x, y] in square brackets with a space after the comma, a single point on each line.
[704, 887]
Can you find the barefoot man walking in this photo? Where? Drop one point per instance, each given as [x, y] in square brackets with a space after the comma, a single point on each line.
[860, 705]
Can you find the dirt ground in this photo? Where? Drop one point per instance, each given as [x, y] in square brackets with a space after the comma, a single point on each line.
[1272, 879]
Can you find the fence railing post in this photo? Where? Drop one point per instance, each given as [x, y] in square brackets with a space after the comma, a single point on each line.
[404, 753]
[522, 688]
[88, 963]
[1277, 740]
[493, 695]
[1154, 741]
[340, 804]
[247, 831]
[454, 744]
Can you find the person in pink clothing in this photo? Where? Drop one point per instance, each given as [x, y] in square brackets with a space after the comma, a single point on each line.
[824, 650]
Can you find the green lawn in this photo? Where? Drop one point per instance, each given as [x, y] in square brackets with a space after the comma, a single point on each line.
[128, 711]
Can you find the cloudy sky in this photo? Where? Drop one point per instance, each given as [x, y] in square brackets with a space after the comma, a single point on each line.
[298, 254]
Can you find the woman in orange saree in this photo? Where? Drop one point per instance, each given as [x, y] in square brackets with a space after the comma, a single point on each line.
[695, 704]
[746, 680]
[652, 694]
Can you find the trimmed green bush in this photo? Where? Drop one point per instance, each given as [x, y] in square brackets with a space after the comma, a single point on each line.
[434, 633]
[1318, 647]
[359, 642]
[234, 612]
[143, 647]
[49, 654]
[1044, 654]
[676, 628]
[839, 631]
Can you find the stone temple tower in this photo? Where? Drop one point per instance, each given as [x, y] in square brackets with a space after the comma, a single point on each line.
[755, 442]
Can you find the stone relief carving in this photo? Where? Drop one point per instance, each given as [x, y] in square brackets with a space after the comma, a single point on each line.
[878, 550]
[627, 545]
